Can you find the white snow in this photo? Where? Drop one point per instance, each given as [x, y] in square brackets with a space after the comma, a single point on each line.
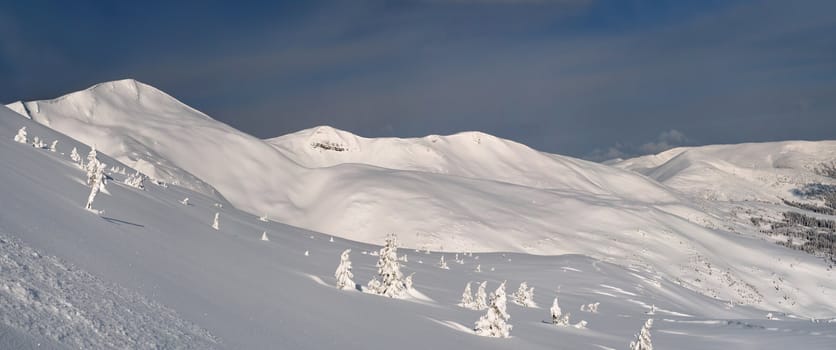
[635, 239]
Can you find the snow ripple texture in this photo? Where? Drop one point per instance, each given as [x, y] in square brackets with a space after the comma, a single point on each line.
[42, 296]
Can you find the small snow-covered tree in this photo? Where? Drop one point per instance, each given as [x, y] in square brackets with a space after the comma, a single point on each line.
[136, 180]
[407, 282]
[343, 274]
[185, 201]
[591, 307]
[76, 158]
[467, 298]
[22, 136]
[524, 296]
[390, 282]
[642, 341]
[97, 183]
[53, 147]
[580, 325]
[481, 301]
[264, 236]
[38, 143]
[215, 223]
[263, 218]
[495, 322]
[443, 264]
[556, 312]
[92, 164]
[652, 310]
[478, 268]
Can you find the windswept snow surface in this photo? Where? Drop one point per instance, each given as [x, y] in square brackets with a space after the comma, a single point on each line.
[150, 272]
[465, 192]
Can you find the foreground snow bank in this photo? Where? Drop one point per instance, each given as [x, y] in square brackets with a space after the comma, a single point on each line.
[44, 296]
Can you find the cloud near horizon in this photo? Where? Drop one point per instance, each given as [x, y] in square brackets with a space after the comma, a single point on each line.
[582, 78]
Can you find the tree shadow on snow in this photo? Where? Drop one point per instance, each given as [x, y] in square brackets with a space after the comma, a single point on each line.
[120, 222]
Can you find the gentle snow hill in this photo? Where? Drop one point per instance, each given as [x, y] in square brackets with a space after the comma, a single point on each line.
[450, 201]
[150, 273]
[766, 171]
[468, 154]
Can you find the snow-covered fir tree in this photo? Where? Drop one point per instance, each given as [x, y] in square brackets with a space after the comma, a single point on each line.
[652, 310]
[97, 181]
[443, 264]
[558, 318]
[478, 268]
[524, 296]
[76, 158]
[467, 298]
[215, 223]
[264, 236]
[22, 136]
[495, 322]
[343, 274]
[389, 280]
[185, 201]
[263, 218]
[53, 147]
[642, 341]
[481, 300]
[92, 164]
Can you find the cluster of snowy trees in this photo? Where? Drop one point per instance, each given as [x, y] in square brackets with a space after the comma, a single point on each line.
[389, 281]
[495, 322]
[22, 136]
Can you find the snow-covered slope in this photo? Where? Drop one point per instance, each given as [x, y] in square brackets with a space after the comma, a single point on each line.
[150, 273]
[490, 195]
[750, 171]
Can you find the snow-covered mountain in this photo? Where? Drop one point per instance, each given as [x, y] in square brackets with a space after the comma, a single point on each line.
[767, 171]
[465, 192]
[150, 273]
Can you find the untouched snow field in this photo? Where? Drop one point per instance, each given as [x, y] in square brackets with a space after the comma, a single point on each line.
[150, 270]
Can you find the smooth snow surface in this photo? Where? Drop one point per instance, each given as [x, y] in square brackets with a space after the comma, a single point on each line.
[150, 272]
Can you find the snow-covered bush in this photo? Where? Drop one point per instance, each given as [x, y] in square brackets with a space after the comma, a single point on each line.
[76, 158]
[264, 237]
[21, 136]
[592, 307]
[467, 298]
[263, 218]
[652, 310]
[136, 180]
[642, 341]
[389, 281]
[343, 274]
[524, 296]
[185, 201]
[215, 222]
[495, 322]
[558, 317]
[481, 300]
[407, 282]
[478, 268]
[38, 143]
[53, 147]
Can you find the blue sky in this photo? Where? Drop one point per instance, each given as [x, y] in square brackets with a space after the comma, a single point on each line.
[589, 78]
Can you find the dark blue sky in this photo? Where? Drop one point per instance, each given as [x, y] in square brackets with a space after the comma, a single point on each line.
[589, 78]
